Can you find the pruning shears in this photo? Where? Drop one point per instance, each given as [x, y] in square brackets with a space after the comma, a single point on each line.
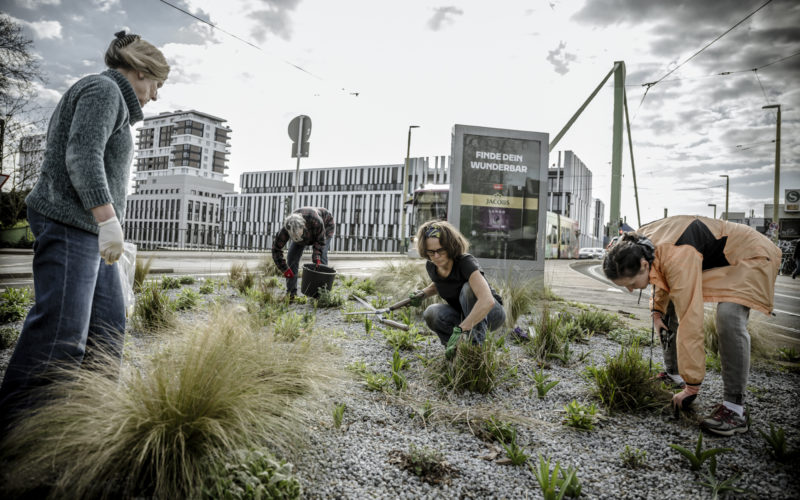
[380, 312]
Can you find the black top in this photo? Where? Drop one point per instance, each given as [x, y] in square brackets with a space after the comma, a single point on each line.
[449, 287]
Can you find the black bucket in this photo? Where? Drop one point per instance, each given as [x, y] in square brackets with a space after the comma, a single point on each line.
[316, 277]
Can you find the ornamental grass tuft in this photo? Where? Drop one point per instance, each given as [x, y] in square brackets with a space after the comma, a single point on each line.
[160, 429]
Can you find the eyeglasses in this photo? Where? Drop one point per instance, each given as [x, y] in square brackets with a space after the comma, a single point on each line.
[438, 251]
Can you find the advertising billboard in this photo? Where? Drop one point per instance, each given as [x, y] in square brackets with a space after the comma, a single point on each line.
[498, 187]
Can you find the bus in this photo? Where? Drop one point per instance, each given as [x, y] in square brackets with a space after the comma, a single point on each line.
[430, 202]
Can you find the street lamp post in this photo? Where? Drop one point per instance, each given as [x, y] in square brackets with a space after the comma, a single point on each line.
[404, 235]
[777, 164]
[727, 191]
[715, 208]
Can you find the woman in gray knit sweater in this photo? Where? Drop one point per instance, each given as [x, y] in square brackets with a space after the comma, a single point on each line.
[75, 211]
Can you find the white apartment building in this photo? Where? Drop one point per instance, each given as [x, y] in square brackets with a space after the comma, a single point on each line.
[179, 181]
[365, 203]
[569, 193]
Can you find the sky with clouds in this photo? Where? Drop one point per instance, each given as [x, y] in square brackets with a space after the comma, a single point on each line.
[365, 70]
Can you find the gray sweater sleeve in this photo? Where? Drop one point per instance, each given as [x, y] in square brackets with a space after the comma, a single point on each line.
[96, 117]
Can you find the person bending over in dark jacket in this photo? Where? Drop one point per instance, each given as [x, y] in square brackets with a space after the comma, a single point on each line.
[305, 226]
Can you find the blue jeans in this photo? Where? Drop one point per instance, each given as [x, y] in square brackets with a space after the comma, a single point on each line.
[442, 318]
[79, 312]
[293, 259]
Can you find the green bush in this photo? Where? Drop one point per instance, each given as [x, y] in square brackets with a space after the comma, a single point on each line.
[170, 283]
[153, 310]
[207, 287]
[546, 335]
[405, 340]
[334, 297]
[626, 383]
[475, 368]
[14, 304]
[187, 299]
[580, 416]
[595, 321]
[289, 326]
[186, 280]
[8, 337]
[252, 475]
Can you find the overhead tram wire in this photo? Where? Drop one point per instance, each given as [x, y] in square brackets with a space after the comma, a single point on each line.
[722, 73]
[709, 44]
[285, 61]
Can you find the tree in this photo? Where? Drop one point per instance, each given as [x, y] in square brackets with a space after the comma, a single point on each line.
[19, 115]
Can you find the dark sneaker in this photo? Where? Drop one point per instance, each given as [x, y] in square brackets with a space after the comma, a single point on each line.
[672, 381]
[725, 422]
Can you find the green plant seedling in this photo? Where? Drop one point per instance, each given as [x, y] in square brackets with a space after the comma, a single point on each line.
[715, 485]
[788, 354]
[358, 367]
[569, 482]
[543, 383]
[334, 297]
[338, 414]
[368, 325]
[406, 316]
[427, 410]
[428, 464]
[375, 381]
[699, 456]
[564, 356]
[398, 364]
[186, 280]
[514, 452]
[401, 339]
[777, 441]
[207, 287]
[633, 458]
[580, 416]
[596, 321]
[500, 431]
[552, 483]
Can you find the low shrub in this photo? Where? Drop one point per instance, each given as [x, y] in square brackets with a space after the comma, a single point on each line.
[153, 310]
[426, 463]
[170, 282]
[207, 287]
[405, 340]
[252, 475]
[157, 431]
[241, 278]
[186, 280]
[8, 337]
[475, 368]
[625, 382]
[140, 272]
[186, 300]
[14, 304]
[289, 326]
[546, 335]
[595, 321]
[334, 297]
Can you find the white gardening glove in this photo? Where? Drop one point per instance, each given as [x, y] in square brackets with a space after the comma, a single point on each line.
[110, 240]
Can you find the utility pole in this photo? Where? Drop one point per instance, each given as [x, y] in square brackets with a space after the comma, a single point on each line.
[727, 192]
[715, 208]
[616, 145]
[776, 191]
[404, 233]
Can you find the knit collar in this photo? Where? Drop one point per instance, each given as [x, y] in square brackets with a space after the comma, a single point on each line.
[134, 108]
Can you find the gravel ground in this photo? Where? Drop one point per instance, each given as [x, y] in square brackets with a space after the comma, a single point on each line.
[356, 460]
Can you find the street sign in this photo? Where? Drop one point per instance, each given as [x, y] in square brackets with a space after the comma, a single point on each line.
[791, 200]
[299, 132]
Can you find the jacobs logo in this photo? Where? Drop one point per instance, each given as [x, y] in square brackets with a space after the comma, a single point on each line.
[498, 199]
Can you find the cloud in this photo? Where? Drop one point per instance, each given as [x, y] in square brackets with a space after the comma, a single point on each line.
[42, 30]
[560, 58]
[34, 4]
[106, 5]
[443, 15]
[274, 19]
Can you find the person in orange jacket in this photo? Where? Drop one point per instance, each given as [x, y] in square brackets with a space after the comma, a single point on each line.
[691, 260]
